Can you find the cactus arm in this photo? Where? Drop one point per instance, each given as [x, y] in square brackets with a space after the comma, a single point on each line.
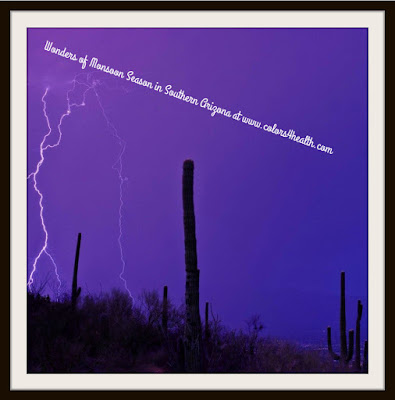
[358, 337]
[343, 336]
[330, 349]
[351, 345]
[75, 292]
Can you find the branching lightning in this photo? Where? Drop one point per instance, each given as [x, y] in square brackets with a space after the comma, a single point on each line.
[44, 249]
[117, 166]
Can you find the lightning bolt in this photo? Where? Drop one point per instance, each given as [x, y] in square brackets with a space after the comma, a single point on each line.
[33, 175]
[117, 166]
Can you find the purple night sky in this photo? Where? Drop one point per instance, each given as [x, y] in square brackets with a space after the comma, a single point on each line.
[276, 221]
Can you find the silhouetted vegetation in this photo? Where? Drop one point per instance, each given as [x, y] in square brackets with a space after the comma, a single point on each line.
[346, 352]
[107, 333]
[112, 333]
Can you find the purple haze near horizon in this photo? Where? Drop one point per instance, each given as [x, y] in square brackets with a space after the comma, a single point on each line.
[276, 221]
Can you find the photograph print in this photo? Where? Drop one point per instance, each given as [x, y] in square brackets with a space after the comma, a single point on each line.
[197, 200]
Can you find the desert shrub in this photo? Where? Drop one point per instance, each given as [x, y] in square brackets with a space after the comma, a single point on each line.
[111, 333]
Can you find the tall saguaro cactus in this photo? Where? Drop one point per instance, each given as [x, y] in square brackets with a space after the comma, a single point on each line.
[345, 354]
[193, 330]
[74, 291]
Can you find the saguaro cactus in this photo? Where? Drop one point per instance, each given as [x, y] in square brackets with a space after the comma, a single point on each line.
[74, 291]
[193, 335]
[165, 311]
[358, 337]
[345, 355]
